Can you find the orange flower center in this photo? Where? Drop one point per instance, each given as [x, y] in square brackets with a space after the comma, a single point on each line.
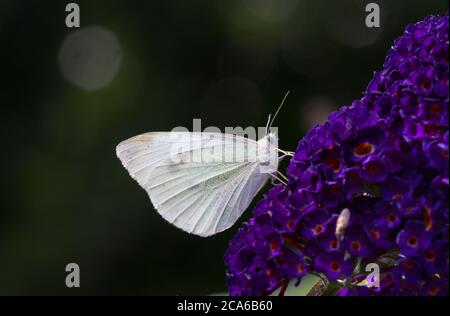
[412, 241]
[433, 290]
[391, 218]
[355, 245]
[375, 234]
[290, 223]
[426, 84]
[363, 149]
[335, 266]
[352, 176]
[334, 163]
[318, 229]
[373, 169]
[407, 264]
[274, 245]
[444, 153]
[430, 255]
[431, 128]
[427, 219]
[333, 244]
[335, 188]
[435, 108]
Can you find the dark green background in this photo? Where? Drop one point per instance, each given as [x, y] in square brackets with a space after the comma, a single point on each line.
[66, 197]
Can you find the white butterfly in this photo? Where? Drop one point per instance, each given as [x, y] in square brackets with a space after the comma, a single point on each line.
[200, 182]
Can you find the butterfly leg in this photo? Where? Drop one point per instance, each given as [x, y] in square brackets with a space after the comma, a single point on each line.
[286, 153]
[282, 176]
[274, 177]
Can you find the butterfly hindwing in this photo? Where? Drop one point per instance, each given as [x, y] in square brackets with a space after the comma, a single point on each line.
[200, 182]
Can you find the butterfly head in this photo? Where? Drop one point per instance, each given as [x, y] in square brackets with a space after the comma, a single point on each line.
[268, 153]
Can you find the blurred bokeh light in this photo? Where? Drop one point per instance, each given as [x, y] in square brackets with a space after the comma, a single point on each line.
[315, 111]
[90, 57]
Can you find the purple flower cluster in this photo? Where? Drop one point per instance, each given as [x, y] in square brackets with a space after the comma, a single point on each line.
[384, 158]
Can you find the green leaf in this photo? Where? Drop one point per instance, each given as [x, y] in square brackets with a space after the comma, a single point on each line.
[308, 282]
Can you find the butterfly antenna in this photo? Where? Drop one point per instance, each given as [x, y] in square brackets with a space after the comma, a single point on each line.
[267, 125]
[279, 108]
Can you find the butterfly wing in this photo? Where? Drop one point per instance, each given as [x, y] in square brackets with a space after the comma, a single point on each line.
[200, 182]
